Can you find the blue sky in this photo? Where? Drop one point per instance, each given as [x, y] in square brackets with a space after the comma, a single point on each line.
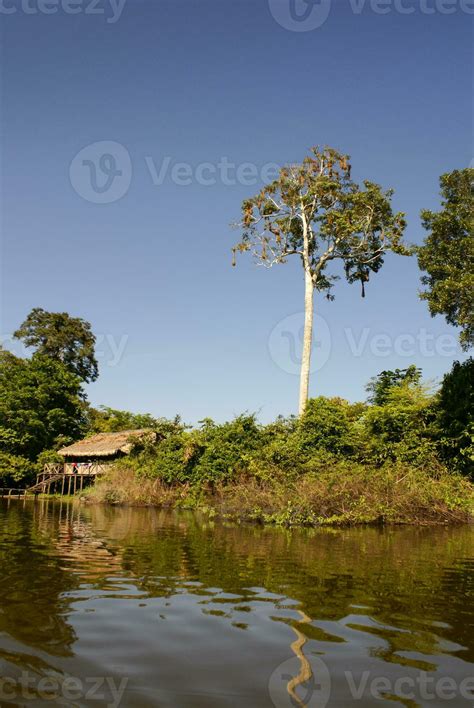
[201, 83]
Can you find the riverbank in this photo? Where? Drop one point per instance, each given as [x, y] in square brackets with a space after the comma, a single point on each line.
[342, 495]
[340, 463]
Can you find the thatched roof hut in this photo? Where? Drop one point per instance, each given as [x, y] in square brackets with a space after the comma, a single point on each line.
[106, 445]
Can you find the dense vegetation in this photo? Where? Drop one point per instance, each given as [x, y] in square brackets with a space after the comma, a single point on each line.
[389, 459]
[405, 454]
[402, 454]
[42, 407]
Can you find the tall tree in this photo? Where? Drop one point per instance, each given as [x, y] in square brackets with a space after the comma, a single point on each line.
[447, 254]
[59, 336]
[315, 211]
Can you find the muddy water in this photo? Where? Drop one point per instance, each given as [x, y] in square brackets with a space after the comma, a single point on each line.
[135, 607]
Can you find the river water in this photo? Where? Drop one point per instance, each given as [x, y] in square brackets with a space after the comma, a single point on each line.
[137, 607]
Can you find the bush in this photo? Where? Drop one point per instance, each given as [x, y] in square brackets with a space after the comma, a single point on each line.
[222, 451]
[15, 469]
[403, 429]
[456, 416]
[328, 424]
[209, 454]
[167, 461]
[342, 494]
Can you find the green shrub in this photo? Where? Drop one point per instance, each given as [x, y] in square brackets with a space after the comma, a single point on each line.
[404, 427]
[455, 406]
[166, 461]
[15, 469]
[328, 424]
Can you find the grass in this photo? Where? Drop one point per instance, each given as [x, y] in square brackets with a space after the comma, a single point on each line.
[340, 495]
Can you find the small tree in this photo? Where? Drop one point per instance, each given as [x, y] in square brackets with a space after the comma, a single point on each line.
[59, 336]
[379, 386]
[41, 405]
[110, 420]
[316, 212]
[403, 428]
[447, 255]
[456, 416]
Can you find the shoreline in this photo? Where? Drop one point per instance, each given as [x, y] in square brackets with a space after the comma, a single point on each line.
[212, 512]
[360, 497]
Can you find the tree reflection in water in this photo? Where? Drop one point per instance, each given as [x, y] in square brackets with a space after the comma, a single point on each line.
[71, 575]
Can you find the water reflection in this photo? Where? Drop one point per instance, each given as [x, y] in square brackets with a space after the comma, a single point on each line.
[200, 613]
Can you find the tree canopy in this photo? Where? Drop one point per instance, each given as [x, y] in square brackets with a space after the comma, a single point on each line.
[314, 210]
[41, 407]
[66, 339]
[379, 386]
[110, 420]
[447, 254]
[42, 402]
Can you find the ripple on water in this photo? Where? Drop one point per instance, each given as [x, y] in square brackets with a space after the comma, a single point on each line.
[199, 614]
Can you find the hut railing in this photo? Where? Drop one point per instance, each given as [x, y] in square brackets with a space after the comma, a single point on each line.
[89, 469]
[52, 468]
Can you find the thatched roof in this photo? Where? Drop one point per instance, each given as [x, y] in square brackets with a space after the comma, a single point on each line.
[106, 444]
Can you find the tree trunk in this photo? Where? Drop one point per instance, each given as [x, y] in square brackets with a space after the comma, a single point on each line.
[307, 340]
